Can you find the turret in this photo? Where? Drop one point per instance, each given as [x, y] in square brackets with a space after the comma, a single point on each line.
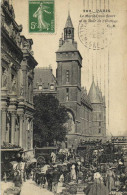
[69, 29]
[95, 96]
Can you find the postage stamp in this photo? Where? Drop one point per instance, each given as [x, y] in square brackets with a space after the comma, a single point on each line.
[41, 16]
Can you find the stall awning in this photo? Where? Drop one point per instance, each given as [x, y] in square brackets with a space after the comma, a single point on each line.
[10, 149]
[33, 160]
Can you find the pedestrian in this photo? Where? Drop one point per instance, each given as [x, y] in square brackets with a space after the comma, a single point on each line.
[56, 176]
[53, 156]
[5, 177]
[73, 172]
[49, 178]
[17, 181]
[43, 171]
[110, 179]
[97, 188]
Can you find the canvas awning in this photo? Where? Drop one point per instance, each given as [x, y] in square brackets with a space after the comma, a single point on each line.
[33, 160]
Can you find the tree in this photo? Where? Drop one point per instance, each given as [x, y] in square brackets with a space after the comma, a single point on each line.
[49, 120]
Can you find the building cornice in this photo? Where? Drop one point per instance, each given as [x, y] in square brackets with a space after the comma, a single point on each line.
[11, 42]
[18, 27]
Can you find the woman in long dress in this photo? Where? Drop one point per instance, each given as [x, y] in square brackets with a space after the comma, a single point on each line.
[110, 179]
[39, 14]
[97, 187]
[73, 172]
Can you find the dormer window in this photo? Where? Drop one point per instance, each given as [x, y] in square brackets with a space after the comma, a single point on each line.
[40, 87]
[52, 86]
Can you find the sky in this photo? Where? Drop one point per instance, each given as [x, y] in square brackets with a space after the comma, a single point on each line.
[109, 65]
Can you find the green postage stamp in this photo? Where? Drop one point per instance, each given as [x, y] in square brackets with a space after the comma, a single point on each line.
[41, 16]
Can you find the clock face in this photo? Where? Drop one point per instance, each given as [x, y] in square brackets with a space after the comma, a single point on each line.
[95, 34]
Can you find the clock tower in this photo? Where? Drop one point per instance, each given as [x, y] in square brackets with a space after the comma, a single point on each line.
[68, 74]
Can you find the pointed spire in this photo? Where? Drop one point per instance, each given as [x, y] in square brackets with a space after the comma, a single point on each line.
[69, 9]
[69, 22]
[99, 92]
[93, 93]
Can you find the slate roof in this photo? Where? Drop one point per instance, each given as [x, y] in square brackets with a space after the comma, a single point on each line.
[94, 95]
[69, 22]
[85, 99]
[43, 76]
[67, 46]
[99, 93]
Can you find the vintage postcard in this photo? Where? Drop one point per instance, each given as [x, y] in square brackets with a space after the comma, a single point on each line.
[63, 97]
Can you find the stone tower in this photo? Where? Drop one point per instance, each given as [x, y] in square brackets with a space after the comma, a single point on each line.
[68, 75]
[98, 114]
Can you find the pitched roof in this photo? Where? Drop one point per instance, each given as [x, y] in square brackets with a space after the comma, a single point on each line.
[43, 76]
[93, 94]
[99, 93]
[85, 99]
[67, 46]
[69, 22]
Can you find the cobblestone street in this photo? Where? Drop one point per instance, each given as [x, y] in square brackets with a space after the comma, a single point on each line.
[29, 188]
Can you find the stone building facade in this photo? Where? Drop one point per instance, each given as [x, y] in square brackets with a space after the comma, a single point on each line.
[86, 110]
[17, 74]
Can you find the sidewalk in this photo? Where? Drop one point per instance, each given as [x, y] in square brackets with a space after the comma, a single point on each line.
[28, 188]
[4, 186]
[31, 188]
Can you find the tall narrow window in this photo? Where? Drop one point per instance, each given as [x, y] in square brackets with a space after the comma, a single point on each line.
[67, 94]
[99, 130]
[99, 123]
[67, 75]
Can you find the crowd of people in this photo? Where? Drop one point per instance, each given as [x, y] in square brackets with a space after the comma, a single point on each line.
[68, 169]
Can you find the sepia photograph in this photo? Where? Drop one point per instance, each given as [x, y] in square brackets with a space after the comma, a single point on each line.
[63, 97]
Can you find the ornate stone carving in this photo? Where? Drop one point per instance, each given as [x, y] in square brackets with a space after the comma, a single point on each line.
[11, 30]
[30, 73]
[8, 121]
[2, 19]
[21, 90]
[13, 66]
[14, 85]
[12, 11]
[18, 39]
[4, 79]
